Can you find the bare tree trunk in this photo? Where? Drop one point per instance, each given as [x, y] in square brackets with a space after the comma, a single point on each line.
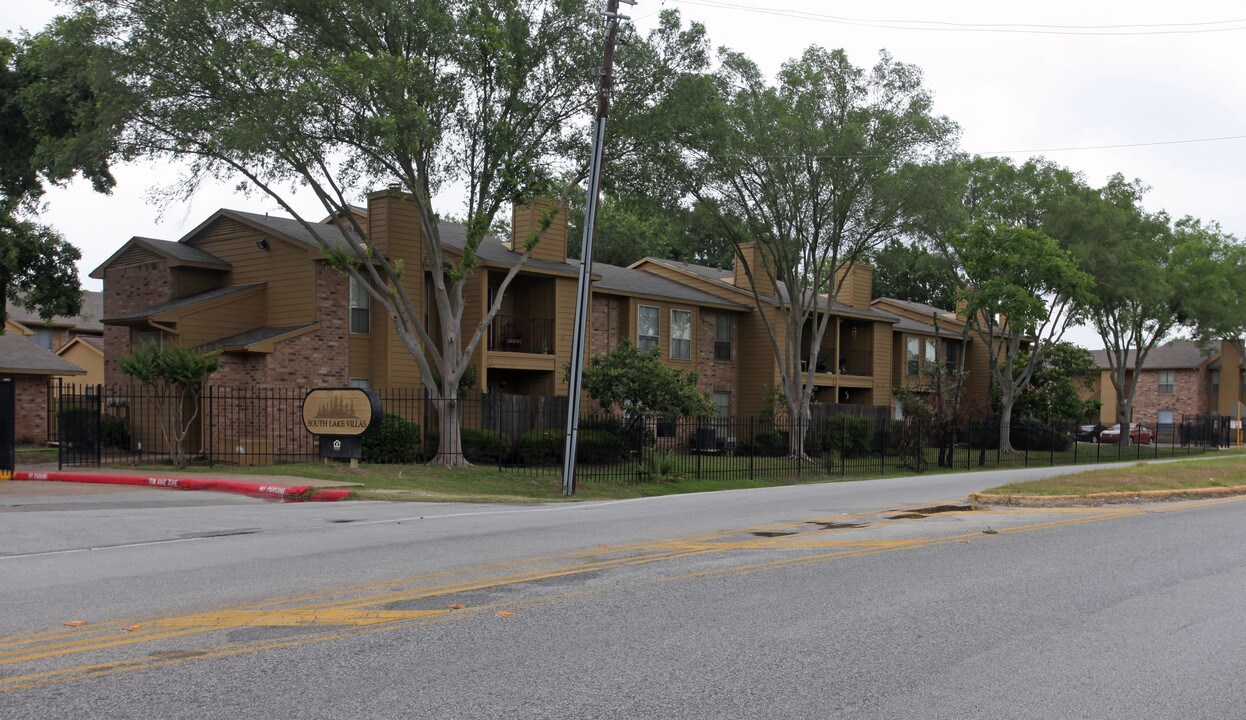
[1005, 423]
[450, 438]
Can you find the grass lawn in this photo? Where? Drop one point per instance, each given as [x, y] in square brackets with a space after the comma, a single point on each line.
[1221, 472]
[484, 483]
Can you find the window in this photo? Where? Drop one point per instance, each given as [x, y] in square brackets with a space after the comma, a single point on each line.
[681, 335]
[914, 347]
[722, 337]
[360, 308]
[358, 382]
[951, 355]
[43, 338]
[1167, 379]
[1164, 419]
[647, 328]
[1215, 382]
[151, 336]
[722, 404]
[931, 354]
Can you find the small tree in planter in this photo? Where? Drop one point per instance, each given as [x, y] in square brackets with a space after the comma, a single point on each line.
[176, 376]
[640, 385]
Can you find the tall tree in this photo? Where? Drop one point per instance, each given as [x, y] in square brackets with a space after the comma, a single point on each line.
[337, 96]
[1020, 288]
[816, 169]
[910, 271]
[1023, 291]
[1151, 278]
[61, 110]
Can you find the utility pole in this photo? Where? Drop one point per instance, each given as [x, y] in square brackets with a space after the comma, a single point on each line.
[586, 252]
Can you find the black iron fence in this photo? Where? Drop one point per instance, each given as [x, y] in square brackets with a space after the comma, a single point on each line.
[235, 426]
[8, 428]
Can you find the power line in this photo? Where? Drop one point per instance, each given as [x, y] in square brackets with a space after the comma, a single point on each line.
[1034, 151]
[1122, 30]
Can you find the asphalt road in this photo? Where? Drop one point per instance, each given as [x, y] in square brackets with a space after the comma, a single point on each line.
[811, 601]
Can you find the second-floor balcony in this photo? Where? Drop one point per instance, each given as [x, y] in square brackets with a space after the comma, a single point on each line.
[850, 362]
[521, 334]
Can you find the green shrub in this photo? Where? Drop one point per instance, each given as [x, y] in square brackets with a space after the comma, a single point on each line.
[660, 467]
[848, 436]
[114, 432]
[771, 442]
[484, 445]
[397, 441]
[542, 447]
[1034, 436]
[599, 447]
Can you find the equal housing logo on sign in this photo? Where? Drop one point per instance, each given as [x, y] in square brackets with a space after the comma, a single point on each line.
[341, 411]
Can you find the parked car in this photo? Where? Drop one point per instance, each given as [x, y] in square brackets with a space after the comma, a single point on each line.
[1089, 433]
[1138, 433]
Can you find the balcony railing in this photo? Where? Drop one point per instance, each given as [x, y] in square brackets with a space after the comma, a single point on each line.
[517, 333]
[851, 362]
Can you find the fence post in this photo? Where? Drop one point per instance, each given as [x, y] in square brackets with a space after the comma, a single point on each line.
[843, 443]
[752, 445]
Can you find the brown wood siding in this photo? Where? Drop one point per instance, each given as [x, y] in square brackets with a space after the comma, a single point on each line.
[882, 363]
[218, 320]
[564, 324]
[756, 366]
[395, 230]
[192, 281]
[135, 256]
[286, 267]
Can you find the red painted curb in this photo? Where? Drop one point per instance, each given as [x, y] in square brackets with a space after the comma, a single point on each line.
[294, 493]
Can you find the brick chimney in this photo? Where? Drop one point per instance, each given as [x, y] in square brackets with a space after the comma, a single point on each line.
[526, 220]
[753, 256]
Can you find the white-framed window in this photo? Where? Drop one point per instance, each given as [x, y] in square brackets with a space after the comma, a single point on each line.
[1215, 382]
[722, 404]
[647, 337]
[1167, 381]
[360, 308]
[914, 357]
[722, 337]
[1164, 419]
[932, 354]
[358, 382]
[681, 335]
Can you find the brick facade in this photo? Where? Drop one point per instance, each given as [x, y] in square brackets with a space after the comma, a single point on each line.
[608, 323]
[32, 408]
[1189, 395]
[715, 375]
[127, 289]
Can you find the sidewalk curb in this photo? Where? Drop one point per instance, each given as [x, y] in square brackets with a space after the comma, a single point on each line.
[1108, 498]
[286, 493]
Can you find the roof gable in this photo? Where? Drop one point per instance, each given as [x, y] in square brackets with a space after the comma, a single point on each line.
[139, 250]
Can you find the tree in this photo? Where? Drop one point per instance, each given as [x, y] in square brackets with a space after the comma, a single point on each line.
[817, 169]
[176, 375]
[1053, 392]
[60, 115]
[334, 96]
[1151, 278]
[1023, 291]
[639, 384]
[909, 271]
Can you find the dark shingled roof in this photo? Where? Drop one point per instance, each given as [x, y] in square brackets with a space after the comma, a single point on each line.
[293, 229]
[627, 280]
[180, 303]
[906, 323]
[92, 311]
[495, 251]
[22, 357]
[1175, 355]
[184, 252]
[252, 337]
[718, 274]
[922, 308]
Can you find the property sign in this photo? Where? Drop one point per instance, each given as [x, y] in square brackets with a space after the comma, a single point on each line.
[342, 412]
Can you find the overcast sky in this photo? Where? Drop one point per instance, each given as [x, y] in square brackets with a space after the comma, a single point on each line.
[1152, 90]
